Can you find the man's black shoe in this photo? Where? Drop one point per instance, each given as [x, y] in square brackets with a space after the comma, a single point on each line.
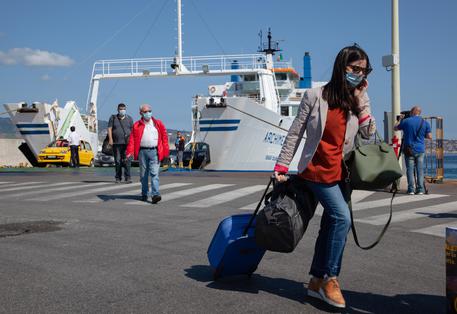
[128, 180]
[156, 199]
[118, 180]
[144, 198]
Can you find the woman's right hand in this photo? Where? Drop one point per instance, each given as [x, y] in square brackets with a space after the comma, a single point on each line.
[280, 177]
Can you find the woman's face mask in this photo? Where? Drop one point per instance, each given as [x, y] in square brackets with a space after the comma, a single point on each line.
[354, 79]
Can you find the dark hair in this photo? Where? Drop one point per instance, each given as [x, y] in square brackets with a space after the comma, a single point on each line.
[337, 92]
[121, 105]
[72, 128]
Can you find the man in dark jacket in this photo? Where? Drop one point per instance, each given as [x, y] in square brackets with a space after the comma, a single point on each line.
[149, 144]
[119, 128]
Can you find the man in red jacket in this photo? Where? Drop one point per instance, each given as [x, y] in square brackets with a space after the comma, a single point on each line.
[149, 144]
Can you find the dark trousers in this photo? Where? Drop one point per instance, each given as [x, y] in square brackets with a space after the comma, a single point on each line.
[121, 161]
[74, 160]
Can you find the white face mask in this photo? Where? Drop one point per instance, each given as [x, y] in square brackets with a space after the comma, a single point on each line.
[122, 112]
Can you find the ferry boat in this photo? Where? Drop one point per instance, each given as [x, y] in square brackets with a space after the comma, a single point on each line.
[42, 123]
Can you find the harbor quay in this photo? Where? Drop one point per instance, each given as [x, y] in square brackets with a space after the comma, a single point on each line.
[72, 241]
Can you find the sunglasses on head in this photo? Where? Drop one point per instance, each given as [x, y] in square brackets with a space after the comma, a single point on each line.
[357, 69]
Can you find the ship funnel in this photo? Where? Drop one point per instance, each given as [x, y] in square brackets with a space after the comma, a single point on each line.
[306, 80]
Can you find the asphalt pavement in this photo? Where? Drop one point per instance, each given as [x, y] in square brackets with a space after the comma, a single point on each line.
[73, 241]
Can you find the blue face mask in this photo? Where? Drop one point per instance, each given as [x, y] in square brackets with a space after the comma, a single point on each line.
[354, 79]
[147, 116]
[122, 112]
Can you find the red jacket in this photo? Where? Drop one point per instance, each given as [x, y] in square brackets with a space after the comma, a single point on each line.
[133, 147]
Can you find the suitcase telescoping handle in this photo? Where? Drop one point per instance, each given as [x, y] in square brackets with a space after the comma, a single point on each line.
[245, 232]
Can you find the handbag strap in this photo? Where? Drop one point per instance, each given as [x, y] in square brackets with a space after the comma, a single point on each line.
[376, 242]
[245, 231]
[120, 122]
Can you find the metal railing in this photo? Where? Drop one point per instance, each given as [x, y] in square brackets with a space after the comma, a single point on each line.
[163, 66]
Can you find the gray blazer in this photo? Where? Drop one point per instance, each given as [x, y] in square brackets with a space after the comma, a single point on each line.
[311, 117]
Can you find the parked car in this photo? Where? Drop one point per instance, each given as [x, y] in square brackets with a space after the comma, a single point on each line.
[199, 153]
[58, 153]
[102, 159]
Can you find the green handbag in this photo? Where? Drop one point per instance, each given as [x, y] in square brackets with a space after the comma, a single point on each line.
[373, 166]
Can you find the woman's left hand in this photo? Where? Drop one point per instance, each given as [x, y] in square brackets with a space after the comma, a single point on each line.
[361, 89]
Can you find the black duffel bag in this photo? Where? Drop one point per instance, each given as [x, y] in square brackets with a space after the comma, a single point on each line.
[280, 225]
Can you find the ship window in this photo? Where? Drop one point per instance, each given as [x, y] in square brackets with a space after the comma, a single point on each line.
[284, 110]
[250, 78]
[297, 94]
[281, 76]
[294, 110]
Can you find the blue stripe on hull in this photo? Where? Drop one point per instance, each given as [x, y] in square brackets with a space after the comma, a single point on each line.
[221, 128]
[234, 121]
[32, 125]
[34, 132]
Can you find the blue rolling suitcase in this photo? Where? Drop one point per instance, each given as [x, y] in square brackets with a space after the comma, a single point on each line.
[233, 250]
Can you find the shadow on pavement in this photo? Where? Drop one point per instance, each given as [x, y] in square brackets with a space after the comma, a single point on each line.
[358, 302]
[106, 198]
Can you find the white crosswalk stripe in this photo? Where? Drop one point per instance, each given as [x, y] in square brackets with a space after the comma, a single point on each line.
[183, 193]
[21, 186]
[135, 192]
[45, 189]
[437, 230]
[4, 182]
[10, 186]
[413, 213]
[79, 193]
[225, 197]
[397, 201]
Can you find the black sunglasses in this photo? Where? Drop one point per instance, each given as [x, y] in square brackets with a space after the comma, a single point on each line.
[357, 69]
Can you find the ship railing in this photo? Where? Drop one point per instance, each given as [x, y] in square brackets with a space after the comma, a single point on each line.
[164, 66]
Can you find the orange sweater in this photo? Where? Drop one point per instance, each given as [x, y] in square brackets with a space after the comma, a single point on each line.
[325, 167]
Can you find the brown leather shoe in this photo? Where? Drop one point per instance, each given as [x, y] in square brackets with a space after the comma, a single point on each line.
[331, 293]
[314, 286]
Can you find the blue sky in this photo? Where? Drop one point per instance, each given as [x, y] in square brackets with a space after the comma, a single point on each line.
[47, 48]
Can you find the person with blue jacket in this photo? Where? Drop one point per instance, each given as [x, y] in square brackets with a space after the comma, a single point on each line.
[415, 130]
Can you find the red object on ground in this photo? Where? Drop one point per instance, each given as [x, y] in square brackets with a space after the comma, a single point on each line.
[395, 144]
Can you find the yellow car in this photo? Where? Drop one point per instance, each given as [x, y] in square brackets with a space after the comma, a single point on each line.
[58, 152]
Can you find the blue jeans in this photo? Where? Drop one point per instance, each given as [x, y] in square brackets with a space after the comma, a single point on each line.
[149, 166]
[415, 166]
[335, 225]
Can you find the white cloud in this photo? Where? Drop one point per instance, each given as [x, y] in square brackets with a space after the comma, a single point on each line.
[45, 77]
[34, 57]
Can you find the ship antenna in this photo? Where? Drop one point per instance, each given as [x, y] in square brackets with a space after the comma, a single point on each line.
[269, 47]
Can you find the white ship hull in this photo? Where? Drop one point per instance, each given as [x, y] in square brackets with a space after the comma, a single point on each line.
[42, 123]
[243, 135]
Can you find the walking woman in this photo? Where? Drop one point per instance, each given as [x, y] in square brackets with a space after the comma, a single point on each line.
[331, 116]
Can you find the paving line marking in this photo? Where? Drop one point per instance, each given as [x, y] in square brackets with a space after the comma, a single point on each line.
[134, 192]
[5, 182]
[76, 185]
[397, 201]
[79, 193]
[410, 214]
[9, 187]
[225, 197]
[437, 230]
[183, 193]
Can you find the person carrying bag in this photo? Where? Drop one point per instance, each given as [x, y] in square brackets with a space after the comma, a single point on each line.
[331, 116]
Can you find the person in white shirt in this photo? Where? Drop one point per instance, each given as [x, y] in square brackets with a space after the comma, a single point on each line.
[149, 144]
[73, 141]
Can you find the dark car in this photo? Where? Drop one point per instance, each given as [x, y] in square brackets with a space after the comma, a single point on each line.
[198, 152]
[102, 159]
